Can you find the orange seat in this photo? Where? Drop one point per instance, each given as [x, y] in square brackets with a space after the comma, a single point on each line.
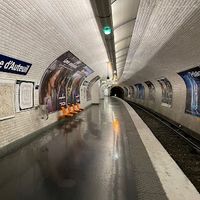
[71, 108]
[66, 112]
[76, 108]
[78, 105]
[61, 114]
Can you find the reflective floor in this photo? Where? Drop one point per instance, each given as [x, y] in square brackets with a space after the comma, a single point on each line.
[99, 156]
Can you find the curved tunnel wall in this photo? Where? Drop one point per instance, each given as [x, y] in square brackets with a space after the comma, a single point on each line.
[39, 37]
[87, 93]
[60, 86]
[172, 105]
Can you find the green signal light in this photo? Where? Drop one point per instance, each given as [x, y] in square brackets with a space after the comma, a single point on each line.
[107, 30]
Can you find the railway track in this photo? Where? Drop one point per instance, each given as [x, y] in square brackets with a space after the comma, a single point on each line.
[183, 148]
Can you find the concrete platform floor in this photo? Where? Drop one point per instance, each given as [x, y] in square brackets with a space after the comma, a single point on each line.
[99, 156]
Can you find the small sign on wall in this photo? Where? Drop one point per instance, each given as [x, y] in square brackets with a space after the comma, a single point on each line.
[36, 95]
[12, 65]
[24, 95]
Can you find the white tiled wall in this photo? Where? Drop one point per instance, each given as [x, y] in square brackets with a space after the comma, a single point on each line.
[37, 32]
[177, 111]
[22, 124]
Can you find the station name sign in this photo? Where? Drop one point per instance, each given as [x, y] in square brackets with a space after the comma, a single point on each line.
[12, 65]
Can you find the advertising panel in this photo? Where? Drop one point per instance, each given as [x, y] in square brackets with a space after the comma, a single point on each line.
[132, 92]
[60, 79]
[52, 90]
[167, 92]
[26, 91]
[72, 93]
[7, 109]
[191, 78]
[140, 91]
[151, 90]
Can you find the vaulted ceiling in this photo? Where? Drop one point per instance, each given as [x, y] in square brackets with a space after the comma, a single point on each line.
[165, 40]
[39, 31]
[124, 14]
[151, 38]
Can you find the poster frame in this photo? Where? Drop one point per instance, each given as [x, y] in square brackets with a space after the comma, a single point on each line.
[160, 81]
[194, 71]
[11, 81]
[19, 82]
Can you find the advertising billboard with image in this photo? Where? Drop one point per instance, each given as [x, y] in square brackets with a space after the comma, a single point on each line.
[132, 91]
[167, 92]
[152, 90]
[60, 80]
[140, 91]
[191, 78]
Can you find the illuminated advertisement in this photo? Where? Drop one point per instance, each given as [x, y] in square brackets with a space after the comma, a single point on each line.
[191, 78]
[60, 81]
[151, 90]
[140, 92]
[166, 92]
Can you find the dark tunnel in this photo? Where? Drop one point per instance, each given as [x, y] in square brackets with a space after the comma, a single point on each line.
[117, 91]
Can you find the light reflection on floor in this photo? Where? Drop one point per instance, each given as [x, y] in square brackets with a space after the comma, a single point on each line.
[85, 159]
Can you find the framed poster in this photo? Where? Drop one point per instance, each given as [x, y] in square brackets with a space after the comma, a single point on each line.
[131, 91]
[191, 78]
[59, 85]
[152, 90]
[7, 99]
[140, 91]
[166, 88]
[25, 91]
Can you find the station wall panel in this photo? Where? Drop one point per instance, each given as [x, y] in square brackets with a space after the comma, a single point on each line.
[37, 32]
[177, 111]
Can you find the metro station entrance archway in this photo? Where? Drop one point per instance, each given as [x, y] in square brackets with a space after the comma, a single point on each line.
[117, 91]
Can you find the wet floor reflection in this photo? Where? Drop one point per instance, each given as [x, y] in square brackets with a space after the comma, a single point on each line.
[79, 160]
[116, 131]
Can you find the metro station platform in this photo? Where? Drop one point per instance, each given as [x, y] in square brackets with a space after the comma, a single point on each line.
[106, 153]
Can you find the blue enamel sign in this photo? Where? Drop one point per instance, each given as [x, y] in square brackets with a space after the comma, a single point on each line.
[12, 65]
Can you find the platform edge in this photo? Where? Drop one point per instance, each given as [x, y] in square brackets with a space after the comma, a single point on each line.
[179, 188]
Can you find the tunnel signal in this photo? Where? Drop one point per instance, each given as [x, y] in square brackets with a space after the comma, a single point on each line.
[107, 30]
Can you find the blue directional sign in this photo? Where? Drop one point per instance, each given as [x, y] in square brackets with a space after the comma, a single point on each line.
[12, 65]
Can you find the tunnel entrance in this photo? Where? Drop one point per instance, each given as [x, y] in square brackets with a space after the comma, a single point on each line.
[117, 91]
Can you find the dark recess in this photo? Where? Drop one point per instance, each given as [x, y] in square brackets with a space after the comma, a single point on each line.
[117, 91]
